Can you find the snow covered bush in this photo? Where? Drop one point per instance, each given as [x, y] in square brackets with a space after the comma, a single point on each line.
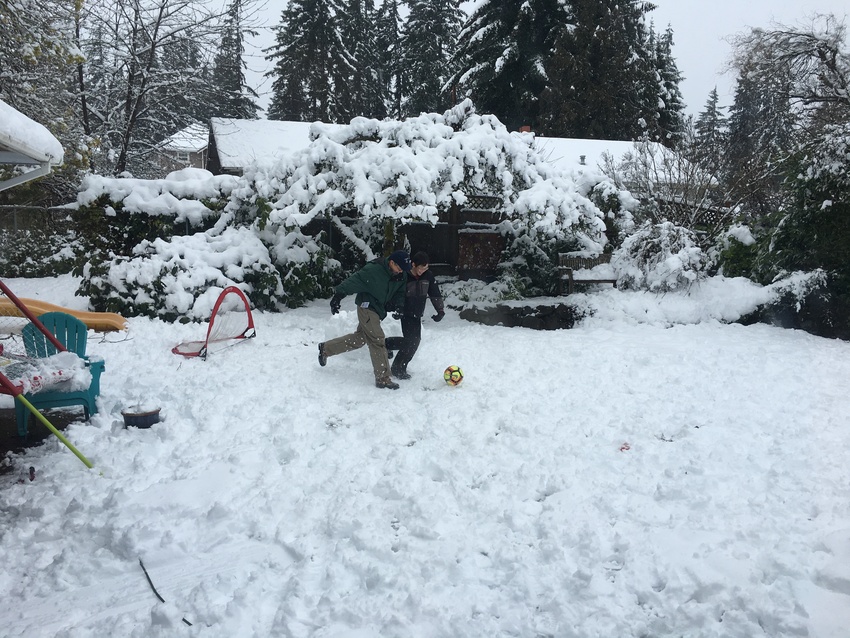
[307, 269]
[412, 170]
[179, 280]
[660, 258]
[384, 174]
[37, 253]
[114, 215]
[813, 235]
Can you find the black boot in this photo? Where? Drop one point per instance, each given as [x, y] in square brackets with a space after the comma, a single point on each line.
[399, 373]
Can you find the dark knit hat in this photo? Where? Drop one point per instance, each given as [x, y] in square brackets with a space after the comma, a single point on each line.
[402, 260]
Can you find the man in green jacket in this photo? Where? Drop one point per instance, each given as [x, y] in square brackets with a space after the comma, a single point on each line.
[379, 284]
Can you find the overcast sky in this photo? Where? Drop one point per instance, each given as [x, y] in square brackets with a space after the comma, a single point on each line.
[701, 27]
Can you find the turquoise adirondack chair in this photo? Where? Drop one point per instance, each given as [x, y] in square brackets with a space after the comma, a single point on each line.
[73, 334]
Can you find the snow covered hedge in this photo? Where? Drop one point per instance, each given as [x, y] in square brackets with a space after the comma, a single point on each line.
[180, 279]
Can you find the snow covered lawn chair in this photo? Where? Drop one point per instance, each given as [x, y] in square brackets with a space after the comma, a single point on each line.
[73, 334]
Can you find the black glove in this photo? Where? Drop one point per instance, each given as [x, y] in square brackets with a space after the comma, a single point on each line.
[438, 316]
[336, 302]
[396, 315]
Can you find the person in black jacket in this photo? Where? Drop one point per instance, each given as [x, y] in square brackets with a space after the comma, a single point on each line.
[421, 286]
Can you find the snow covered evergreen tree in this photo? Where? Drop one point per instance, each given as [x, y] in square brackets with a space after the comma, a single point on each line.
[501, 58]
[311, 63]
[430, 36]
[388, 57]
[232, 97]
[670, 123]
[710, 131]
[362, 91]
[602, 82]
[761, 141]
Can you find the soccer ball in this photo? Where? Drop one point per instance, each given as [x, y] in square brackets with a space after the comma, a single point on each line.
[453, 375]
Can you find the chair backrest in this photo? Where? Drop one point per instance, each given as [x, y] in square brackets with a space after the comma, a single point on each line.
[70, 331]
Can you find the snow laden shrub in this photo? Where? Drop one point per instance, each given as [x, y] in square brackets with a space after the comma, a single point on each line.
[529, 266]
[736, 252]
[37, 253]
[305, 265]
[179, 279]
[458, 294]
[415, 170]
[814, 235]
[660, 258]
[116, 214]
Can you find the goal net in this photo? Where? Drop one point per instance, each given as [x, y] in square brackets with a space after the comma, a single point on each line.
[230, 323]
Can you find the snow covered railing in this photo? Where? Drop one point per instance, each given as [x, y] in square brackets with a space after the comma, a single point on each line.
[584, 268]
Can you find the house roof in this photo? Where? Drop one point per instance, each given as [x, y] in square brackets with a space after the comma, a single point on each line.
[24, 142]
[240, 142]
[570, 153]
[192, 139]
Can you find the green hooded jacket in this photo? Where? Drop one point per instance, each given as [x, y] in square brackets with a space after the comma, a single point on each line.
[374, 284]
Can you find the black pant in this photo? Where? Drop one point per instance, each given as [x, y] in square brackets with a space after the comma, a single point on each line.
[411, 328]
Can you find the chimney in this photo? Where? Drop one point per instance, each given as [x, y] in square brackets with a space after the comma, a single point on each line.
[581, 159]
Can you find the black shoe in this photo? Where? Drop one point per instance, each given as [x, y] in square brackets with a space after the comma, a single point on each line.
[389, 354]
[323, 358]
[386, 382]
[400, 374]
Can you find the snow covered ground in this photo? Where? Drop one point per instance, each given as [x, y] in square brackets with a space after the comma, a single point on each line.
[630, 477]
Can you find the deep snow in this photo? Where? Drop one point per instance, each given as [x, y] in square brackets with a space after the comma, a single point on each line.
[632, 476]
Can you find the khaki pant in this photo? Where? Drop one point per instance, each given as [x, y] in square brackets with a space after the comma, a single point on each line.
[369, 333]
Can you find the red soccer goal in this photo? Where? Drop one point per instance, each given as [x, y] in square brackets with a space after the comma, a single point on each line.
[231, 322]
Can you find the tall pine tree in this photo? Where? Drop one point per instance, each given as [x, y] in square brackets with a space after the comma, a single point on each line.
[761, 141]
[501, 58]
[232, 95]
[430, 37]
[311, 64]
[602, 81]
[710, 136]
[362, 94]
[388, 57]
[670, 121]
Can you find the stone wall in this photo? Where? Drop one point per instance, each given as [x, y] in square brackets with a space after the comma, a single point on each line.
[538, 317]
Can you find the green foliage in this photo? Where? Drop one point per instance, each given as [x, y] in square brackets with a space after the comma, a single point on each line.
[106, 230]
[529, 266]
[30, 253]
[737, 259]
[813, 235]
[309, 280]
[306, 268]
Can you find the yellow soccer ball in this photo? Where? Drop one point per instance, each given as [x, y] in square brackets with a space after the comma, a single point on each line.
[453, 375]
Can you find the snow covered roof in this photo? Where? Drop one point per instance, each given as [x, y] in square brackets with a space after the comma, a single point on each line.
[192, 139]
[571, 153]
[242, 142]
[25, 142]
